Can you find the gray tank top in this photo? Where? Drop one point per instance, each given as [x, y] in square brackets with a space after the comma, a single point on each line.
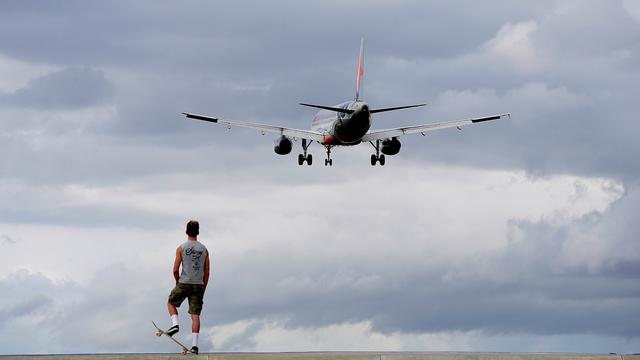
[193, 256]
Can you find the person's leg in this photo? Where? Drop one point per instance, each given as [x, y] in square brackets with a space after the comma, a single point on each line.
[175, 298]
[195, 323]
[172, 309]
[195, 307]
[195, 332]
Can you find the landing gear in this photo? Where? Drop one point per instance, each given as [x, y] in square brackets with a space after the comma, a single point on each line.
[377, 157]
[302, 158]
[305, 157]
[328, 161]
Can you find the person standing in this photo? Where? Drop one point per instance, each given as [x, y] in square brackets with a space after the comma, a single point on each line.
[191, 283]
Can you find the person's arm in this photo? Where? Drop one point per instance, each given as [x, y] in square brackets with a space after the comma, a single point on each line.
[176, 264]
[206, 270]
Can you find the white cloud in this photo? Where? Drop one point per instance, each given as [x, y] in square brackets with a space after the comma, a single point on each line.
[514, 45]
[447, 210]
[358, 336]
[268, 336]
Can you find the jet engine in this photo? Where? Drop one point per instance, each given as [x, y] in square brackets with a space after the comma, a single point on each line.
[390, 146]
[282, 145]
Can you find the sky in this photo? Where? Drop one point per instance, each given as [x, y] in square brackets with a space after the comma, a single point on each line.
[513, 235]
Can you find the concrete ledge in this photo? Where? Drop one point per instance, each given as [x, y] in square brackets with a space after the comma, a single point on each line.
[333, 356]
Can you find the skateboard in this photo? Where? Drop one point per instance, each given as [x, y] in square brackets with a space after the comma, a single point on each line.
[161, 332]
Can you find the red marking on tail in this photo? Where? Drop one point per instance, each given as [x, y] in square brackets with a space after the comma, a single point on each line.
[360, 69]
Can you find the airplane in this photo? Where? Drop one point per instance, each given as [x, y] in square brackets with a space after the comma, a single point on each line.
[346, 124]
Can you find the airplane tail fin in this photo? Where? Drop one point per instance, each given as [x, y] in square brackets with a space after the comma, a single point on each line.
[360, 69]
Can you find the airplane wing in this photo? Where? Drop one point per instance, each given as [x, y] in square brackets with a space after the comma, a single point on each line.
[296, 133]
[421, 129]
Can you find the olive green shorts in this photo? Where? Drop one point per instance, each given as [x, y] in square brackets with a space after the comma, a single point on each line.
[194, 292]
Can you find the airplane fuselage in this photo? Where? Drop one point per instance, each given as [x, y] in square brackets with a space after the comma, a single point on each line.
[339, 128]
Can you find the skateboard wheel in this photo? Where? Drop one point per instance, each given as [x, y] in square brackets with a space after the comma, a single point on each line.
[184, 352]
[158, 334]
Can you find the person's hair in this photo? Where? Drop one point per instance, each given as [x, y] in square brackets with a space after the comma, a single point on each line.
[193, 228]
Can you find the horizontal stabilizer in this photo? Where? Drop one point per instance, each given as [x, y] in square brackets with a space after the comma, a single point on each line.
[346, 111]
[394, 108]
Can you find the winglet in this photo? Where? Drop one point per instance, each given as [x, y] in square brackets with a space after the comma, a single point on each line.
[489, 118]
[360, 72]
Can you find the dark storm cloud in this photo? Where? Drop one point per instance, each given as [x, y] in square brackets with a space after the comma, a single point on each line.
[68, 88]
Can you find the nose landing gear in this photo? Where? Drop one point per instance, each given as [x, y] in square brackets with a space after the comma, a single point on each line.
[328, 161]
[377, 157]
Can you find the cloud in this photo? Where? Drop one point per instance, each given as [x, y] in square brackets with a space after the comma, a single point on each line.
[8, 240]
[499, 237]
[264, 335]
[66, 88]
[45, 311]
[16, 74]
[458, 271]
[514, 43]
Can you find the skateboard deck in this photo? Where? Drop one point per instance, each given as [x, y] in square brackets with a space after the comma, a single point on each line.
[161, 332]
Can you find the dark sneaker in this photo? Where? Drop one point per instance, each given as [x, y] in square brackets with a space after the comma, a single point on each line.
[194, 350]
[173, 330]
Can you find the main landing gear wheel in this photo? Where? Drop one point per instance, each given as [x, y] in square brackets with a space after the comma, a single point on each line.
[374, 159]
[302, 158]
[377, 157]
[305, 157]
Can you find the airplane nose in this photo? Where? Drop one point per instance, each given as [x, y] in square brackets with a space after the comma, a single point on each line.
[364, 108]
